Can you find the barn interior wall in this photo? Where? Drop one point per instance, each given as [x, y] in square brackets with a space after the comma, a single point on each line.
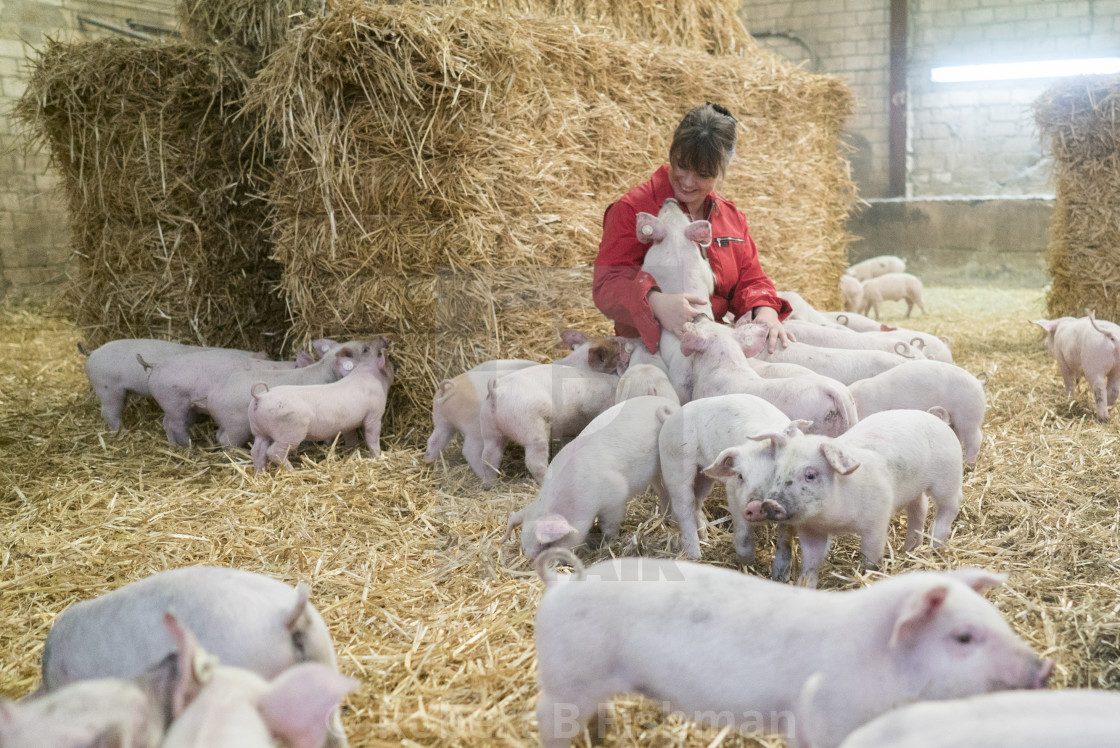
[34, 235]
[976, 141]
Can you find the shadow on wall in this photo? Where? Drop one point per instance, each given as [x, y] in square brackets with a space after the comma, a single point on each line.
[958, 242]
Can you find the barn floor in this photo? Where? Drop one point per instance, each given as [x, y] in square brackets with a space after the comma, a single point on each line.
[430, 610]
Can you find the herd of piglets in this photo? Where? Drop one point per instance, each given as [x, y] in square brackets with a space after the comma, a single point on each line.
[319, 396]
[186, 658]
[836, 432]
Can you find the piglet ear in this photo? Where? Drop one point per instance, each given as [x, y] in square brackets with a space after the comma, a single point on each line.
[344, 362]
[303, 358]
[322, 345]
[573, 337]
[941, 413]
[699, 232]
[625, 350]
[194, 667]
[798, 427]
[776, 440]
[693, 341]
[917, 613]
[649, 228]
[838, 459]
[298, 704]
[724, 465]
[551, 527]
[980, 580]
[751, 338]
[1049, 325]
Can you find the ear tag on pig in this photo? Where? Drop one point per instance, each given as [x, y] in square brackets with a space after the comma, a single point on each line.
[647, 230]
[347, 365]
[203, 667]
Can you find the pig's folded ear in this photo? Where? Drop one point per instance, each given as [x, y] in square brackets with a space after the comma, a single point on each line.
[693, 341]
[573, 337]
[941, 413]
[649, 228]
[839, 460]
[749, 339]
[919, 610]
[298, 704]
[980, 580]
[194, 667]
[550, 528]
[724, 465]
[322, 345]
[699, 232]
[798, 427]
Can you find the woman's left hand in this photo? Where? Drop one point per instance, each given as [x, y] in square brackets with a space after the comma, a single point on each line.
[768, 316]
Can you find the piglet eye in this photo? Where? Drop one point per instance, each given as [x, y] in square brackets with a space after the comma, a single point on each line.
[964, 637]
[810, 474]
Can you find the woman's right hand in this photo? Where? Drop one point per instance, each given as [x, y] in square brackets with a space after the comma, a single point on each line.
[674, 310]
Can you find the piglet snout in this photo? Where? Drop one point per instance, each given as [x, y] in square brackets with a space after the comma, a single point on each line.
[766, 510]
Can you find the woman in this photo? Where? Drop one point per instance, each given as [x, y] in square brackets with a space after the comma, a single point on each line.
[702, 148]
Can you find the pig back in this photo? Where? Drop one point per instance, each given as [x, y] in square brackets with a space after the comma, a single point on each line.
[240, 616]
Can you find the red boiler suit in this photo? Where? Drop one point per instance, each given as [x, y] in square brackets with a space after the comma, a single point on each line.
[621, 288]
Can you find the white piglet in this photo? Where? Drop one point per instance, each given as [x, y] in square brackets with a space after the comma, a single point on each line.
[675, 262]
[534, 405]
[1090, 348]
[876, 266]
[728, 649]
[1023, 719]
[283, 417]
[593, 477]
[694, 438]
[920, 385]
[855, 483]
[892, 287]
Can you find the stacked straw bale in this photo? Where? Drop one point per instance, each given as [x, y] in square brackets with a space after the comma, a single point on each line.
[166, 220]
[1081, 119]
[256, 27]
[442, 173]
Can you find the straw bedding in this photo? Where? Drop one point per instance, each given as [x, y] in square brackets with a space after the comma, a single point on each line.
[1078, 119]
[429, 610]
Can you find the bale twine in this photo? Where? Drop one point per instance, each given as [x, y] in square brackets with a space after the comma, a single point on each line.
[1078, 117]
[412, 141]
[167, 226]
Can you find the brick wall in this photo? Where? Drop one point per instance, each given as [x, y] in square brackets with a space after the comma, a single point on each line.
[964, 139]
[34, 237]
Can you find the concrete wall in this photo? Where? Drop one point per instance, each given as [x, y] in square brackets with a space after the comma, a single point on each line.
[963, 138]
[959, 242]
[34, 238]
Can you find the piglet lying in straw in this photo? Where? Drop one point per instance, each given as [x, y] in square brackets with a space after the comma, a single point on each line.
[1086, 347]
[726, 648]
[593, 477]
[283, 417]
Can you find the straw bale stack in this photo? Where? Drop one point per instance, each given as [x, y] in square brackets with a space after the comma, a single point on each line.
[420, 142]
[166, 220]
[1080, 118]
[256, 27]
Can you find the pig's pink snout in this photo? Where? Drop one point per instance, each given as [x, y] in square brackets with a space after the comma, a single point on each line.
[754, 512]
[762, 511]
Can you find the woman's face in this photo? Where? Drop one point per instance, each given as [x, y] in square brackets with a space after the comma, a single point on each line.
[690, 188]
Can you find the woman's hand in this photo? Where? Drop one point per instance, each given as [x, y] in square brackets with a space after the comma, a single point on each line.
[768, 316]
[673, 310]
